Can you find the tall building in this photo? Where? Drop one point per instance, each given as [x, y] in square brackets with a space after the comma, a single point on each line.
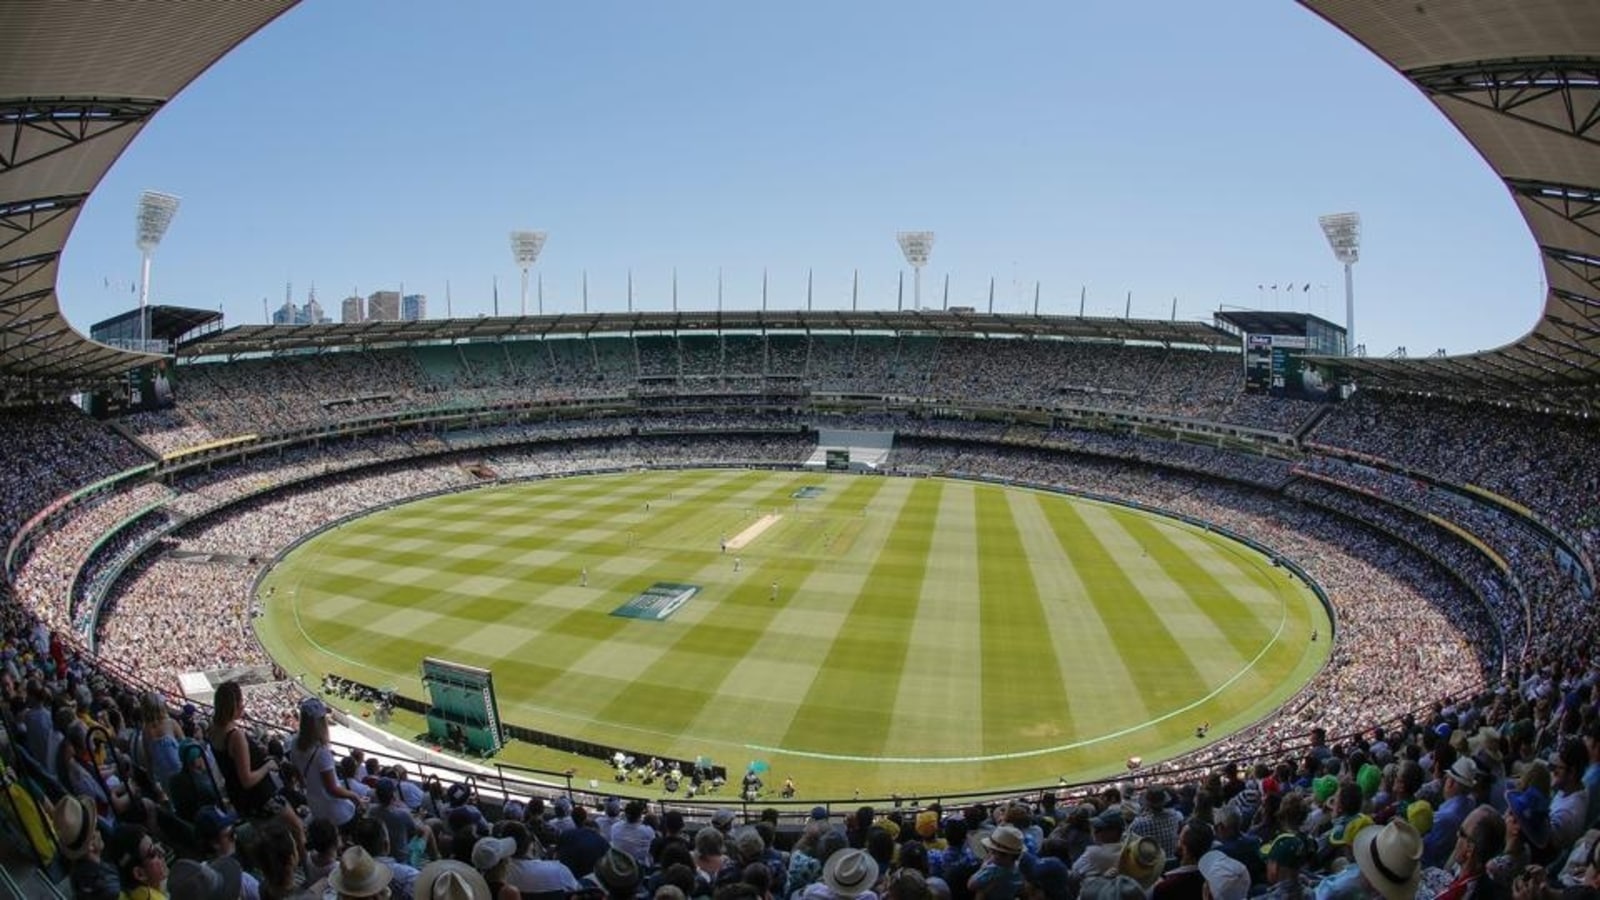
[313, 310]
[383, 306]
[289, 314]
[353, 309]
[414, 307]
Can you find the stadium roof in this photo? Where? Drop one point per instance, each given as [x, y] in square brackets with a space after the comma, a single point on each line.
[1522, 83]
[256, 339]
[1262, 321]
[1520, 80]
[167, 323]
[78, 81]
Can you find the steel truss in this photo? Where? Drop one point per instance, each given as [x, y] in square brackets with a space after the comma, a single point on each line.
[1516, 87]
[62, 123]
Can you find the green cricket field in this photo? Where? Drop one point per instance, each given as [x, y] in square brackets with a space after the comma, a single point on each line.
[919, 636]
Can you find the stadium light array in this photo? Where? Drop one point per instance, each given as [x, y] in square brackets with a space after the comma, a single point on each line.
[1343, 231]
[155, 215]
[525, 247]
[916, 245]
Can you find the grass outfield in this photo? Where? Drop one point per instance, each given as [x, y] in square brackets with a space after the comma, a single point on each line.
[929, 636]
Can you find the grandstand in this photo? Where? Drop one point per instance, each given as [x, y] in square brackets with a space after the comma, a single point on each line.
[1448, 510]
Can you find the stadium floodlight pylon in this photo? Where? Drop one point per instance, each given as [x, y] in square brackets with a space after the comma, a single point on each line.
[1343, 231]
[916, 245]
[155, 215]
[525, 247]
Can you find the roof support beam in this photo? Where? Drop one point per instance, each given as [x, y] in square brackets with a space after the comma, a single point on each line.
[23, 217]
[64, 123]
[1513, 86]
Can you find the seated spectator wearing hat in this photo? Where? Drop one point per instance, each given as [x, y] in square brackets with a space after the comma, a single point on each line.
[403, 825]
[1388, 865]
[491, 856]
[1527, 831]
[312, 757]
[359, 875]
[449, 879]
[213, 831]
[998, 877]
[1110, 886]
[1284, 858]
[1158, 821]
[219, 879]
[1142, 861]
[370, 835]
[141, 863]
[848, 873]
[1186, 881]
[1225, 877]
[1103, 855]
[618, 874]
[1460, 799]
[78, 837]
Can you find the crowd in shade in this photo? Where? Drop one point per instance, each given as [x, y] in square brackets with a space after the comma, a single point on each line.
[1450, 749]
[301, 392]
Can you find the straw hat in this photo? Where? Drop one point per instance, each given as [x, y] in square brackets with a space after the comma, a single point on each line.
[359, 875]
[1391, 858]
[850, 873]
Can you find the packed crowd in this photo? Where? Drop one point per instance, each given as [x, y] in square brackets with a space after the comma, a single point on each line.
[1494, 795]
[1491, 791]
[278, 395]
[1546, 463]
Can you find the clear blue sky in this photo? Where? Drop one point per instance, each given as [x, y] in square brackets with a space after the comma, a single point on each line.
[1168, 148]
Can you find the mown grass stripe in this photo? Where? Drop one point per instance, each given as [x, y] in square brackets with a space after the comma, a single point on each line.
[704, 651]
[764, 688]
[854, 692]
[937, 689]
[1239, 621]
[1010, 617]
[1088, 661]
[1165, 676]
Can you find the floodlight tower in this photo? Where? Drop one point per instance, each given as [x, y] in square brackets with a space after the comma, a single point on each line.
[1343, 231]
[525, 247]
[155, 214]
[916, 245]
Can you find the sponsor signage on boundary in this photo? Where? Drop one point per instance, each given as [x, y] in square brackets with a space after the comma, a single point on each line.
[658, 601]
